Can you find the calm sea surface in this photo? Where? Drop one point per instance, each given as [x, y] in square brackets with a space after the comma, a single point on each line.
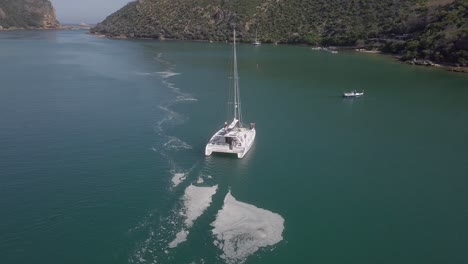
[102, 155]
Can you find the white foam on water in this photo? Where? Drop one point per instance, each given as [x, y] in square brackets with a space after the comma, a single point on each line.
[178, 178]
[180, 237]
[185, 98]
[181, 96]
[162, 74]
[144, 73]
[174, 88]
[175, 143]
[241, 229]
[158, 57]
[171, 118]
[143, 223]
[166, 74]
[171, 86]
[170, 113]
[166, 63]
[200, 180]
[144, 254]
[196, 200]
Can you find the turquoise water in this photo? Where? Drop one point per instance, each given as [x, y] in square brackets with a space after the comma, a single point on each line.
[93, 132]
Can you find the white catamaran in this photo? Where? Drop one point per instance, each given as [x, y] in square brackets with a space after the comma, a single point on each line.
[233, 138]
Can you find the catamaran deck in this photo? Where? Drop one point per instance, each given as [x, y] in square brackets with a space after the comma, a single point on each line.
[235, 141]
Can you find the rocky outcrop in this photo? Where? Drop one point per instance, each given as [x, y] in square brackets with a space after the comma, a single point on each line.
[27, 14]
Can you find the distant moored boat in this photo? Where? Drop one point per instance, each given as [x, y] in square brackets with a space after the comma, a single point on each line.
[353, 94]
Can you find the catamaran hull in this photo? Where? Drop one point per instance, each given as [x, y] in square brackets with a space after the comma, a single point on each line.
[225, 148]
[248, 146]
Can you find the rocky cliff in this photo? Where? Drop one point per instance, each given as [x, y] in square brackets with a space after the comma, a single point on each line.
[27, 14]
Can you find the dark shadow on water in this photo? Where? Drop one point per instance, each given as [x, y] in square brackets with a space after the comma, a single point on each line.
[223, 155]
[226, 161]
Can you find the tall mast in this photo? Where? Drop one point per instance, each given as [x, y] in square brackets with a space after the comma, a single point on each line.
[235, 76]
[237, 109]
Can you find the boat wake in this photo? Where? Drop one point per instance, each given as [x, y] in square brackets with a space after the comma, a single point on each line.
[165, 232]
[176, 144]
[181, 96]
[166, 74]
[159, 232]
[178, 178]
[171, 118]
[241, 229]
[144, 73]
[179, 175]
[159, 59]
[185, 98]
[196, 200]
[161, 74]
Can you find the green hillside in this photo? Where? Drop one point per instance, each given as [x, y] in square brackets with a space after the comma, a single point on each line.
[444, 38]
[426, 29]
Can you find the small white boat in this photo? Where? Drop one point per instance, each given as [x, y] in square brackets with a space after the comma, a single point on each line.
[233, 138]
[353, 94]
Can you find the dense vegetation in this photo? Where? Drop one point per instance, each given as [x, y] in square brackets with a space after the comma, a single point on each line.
[443, 39]
[425, 29]
[27, 14]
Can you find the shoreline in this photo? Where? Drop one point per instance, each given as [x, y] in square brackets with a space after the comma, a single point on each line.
[447, 67]
[61, 27]
[421, 63]
[26, 29]
[414, 62]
